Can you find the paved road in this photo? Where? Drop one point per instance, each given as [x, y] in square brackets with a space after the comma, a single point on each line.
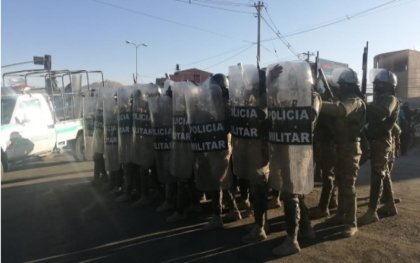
[51, 213]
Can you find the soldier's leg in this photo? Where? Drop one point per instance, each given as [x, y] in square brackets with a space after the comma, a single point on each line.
[350, 210]
[169, 203]
[234, 214]
[244, 189]
[112, 180]
[292, 218]
[348, 185]
[259, 194]
[305, 228]
[119, 181]
[389, 208]
[324, 200]
[379, 169]
[274, 202]
[96, 168]
[144, 186]
[387, 183]
[194, 197]
[216, 203]
[127, 183]
[182, 201]
[102, 169]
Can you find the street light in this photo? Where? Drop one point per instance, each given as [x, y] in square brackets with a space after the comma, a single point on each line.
[136, 46]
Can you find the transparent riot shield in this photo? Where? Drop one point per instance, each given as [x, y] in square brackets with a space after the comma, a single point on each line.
[125, 123]
[289, 101]
[98, 125]
[181, 153]
[160, 108]
[248, 122]
[210, 140]
[89, 105]
[110, 120]
[143, 153]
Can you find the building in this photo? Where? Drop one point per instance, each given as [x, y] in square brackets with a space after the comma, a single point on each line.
[193, 74]
[406, 65]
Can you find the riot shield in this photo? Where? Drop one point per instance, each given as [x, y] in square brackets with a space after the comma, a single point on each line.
[289, 101]
[143, 153]
[181, 153]
[125, 123]
[89, 105]
[248, 123]
[98, 125]
[110, 120]
[160, 108]
[210, 140]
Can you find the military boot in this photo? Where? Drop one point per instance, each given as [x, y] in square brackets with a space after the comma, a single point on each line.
[389, 208]
[322, 210]
[292, 216]
[370, 216]
[256, 234]
[233, 215]
[215, 223]
[289, 246]
[350, 208]
[338, 218]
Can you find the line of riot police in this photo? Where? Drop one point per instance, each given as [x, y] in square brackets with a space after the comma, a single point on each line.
[254, 129]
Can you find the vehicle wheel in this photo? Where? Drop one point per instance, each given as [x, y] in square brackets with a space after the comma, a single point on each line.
[79, 148]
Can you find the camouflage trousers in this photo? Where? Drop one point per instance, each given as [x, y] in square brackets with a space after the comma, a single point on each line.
[381, 153]
[346, 172]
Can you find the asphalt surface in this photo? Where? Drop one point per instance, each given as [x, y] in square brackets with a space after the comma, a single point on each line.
[50, 212]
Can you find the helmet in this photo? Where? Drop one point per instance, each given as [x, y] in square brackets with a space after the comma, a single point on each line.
[385, 77]
[222, 81]
[344, 82]
[384, 81]
[348, 77]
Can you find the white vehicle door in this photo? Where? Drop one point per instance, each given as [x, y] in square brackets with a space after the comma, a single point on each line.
[36, 133]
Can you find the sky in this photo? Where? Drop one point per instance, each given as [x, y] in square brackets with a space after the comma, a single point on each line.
[209, 35]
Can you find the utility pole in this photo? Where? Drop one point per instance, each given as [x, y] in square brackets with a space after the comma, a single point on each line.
[308, 55]
[258, 7]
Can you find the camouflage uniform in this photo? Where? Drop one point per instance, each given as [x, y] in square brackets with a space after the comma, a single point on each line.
[350, 115]
[325, 162]
[382, 114]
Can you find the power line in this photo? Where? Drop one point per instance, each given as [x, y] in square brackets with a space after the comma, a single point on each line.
[213, 7]
[225, 3]
[215, 56]
[165, 20]
[243, 48]
[338, 20]
[236, 54]
[278, 34]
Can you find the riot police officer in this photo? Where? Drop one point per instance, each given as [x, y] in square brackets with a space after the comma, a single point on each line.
[350, 115]
[382, 114]
[248, 119]
[210, 142]
[292, 109]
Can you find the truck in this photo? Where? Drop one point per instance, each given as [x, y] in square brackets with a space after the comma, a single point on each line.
[42, 113]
